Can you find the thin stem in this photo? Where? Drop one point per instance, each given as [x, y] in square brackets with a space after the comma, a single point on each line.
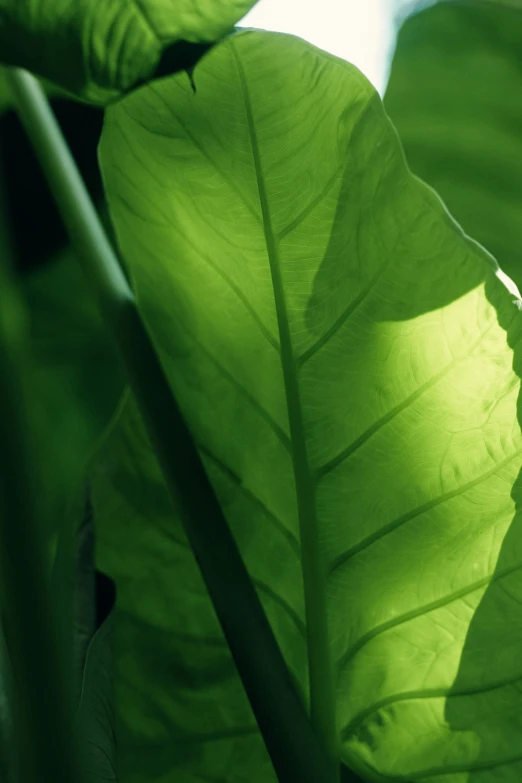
[295, 751]
[76, 208]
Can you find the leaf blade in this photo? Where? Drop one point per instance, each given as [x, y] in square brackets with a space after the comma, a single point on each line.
[413, 364]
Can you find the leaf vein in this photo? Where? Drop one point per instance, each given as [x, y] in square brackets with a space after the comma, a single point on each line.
[395, 524]
[426, 693]
[205, 154]
[380, 423]
[420, 611]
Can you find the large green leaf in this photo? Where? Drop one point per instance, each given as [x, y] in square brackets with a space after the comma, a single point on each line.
[100, 50]
[454, 96]
[343, 355]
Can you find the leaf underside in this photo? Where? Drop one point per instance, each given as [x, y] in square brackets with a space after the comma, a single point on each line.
[275, 205]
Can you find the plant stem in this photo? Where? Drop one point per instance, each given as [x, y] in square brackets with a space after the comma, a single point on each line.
[296, 753]
[43, 740]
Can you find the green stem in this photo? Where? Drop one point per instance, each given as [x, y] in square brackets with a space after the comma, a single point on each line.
[295, 750]
[43, 738]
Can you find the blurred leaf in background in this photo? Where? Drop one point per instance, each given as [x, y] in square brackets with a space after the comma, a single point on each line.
[77, 374]
[455, 97]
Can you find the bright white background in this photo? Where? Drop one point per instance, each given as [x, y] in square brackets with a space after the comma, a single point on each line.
[360, 31]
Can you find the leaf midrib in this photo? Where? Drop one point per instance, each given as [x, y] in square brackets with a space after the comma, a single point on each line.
[322, 693]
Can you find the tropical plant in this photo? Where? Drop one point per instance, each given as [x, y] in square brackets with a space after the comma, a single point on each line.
[292, 425]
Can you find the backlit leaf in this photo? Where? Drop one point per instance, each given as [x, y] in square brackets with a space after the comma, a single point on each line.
[343, 354]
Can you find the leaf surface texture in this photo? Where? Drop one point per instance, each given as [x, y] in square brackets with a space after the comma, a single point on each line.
[343, 355]
[99, 50]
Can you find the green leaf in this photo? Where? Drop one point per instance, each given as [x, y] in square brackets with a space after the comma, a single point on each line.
[77, 377]
[452, 97]
[99, 51]
[343, 355]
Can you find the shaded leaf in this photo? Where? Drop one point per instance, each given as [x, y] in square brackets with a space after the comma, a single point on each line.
[343, 355]
[99, 51]
[77, 376]
[453, 97]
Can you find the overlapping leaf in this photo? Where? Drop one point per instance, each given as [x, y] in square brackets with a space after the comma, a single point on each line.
[101, 50]
[331, 334]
